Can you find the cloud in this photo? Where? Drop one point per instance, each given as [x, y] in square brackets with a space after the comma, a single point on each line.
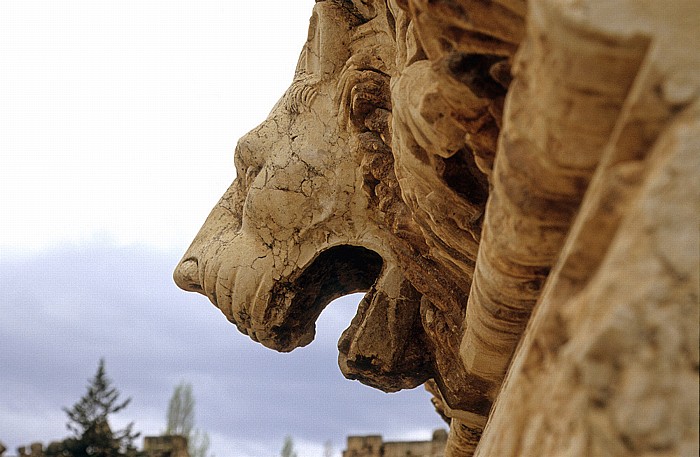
[118, 115]
[65, 308]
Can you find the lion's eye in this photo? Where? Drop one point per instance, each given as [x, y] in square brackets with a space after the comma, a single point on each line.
[249, 156]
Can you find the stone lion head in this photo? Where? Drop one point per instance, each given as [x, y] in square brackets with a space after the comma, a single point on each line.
[301, 224]
[346, 188]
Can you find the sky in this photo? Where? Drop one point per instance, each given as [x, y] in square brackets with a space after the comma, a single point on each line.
[118, 121]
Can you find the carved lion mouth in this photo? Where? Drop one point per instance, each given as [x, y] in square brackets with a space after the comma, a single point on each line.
[383, 346]
[295, 303]
[277, 310]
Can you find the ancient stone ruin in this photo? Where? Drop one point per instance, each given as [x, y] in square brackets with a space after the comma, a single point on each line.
[153, 446]
[375, 446]
[165, 446]
[514, 184]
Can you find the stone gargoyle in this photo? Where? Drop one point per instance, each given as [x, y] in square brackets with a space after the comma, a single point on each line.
[454, 160]
[298, 228]
[316, 210]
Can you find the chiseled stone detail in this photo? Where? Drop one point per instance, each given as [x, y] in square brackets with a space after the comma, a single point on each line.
[609, 365]
[469, 164]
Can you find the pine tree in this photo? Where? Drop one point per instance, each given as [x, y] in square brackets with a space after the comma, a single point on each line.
[89, 422]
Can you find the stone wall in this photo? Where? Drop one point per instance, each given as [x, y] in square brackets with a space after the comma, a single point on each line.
[33, 450]
[375, 446]
[153, 446]
[165, 446]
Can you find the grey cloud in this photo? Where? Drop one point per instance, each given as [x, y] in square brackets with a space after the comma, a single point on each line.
[64, 309]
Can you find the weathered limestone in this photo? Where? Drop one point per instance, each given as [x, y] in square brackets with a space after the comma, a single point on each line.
[609, 365]
[408, 161]
[555, 130]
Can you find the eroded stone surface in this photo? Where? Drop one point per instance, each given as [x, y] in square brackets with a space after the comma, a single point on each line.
[409, 162]
[609, 365]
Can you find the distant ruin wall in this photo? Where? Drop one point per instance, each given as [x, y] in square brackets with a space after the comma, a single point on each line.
[375, 446]
[153, 446]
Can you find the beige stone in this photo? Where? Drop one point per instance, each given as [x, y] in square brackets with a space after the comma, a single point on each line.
[407, 161]
[609, 365]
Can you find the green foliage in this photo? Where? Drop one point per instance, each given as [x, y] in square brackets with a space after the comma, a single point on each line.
[288, 447]
[181, 411]
[180, 421]
[89, 423]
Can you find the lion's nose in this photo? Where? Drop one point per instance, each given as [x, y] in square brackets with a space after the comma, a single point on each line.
[186, 275]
